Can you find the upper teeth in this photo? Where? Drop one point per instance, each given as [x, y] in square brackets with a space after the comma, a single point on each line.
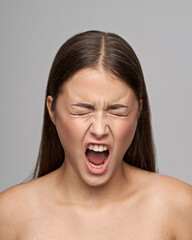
[97, 148]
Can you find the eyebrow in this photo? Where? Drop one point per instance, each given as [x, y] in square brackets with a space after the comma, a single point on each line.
[83, 105]
[88, 106]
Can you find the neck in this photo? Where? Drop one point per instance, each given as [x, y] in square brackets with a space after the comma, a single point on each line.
[75, 190]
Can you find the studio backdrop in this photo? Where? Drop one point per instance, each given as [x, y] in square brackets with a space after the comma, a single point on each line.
[31, 32]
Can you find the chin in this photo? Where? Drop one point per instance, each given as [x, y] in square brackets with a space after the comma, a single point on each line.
[96, 181]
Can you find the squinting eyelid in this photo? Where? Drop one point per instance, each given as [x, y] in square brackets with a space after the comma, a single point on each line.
[118, 115]
[83, 111]
[81, 114]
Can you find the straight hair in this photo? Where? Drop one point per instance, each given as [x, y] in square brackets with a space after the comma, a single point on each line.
[96, 49]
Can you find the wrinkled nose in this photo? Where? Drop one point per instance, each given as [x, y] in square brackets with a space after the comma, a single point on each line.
[99, 127]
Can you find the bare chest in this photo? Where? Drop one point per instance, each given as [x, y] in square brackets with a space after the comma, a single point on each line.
[114, 223]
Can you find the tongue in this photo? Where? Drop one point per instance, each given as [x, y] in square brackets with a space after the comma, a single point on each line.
[96, 157]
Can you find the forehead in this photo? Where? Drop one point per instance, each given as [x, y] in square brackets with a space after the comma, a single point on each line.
[90, 84]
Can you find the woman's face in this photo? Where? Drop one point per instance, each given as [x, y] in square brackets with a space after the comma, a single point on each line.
[96, 117]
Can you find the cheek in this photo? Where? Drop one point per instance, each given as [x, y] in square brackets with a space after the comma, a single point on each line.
[124, 133]
[70, 131]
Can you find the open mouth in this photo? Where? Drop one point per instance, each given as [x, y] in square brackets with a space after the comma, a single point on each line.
[96, 158]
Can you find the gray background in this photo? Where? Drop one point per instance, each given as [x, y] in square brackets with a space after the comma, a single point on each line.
[32, 31]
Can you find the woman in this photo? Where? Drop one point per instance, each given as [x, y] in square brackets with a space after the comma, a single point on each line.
[95, 175]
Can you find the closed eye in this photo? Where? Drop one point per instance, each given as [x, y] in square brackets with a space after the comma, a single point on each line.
[118, 114]
[118, 110]
[81, 109]
[80, 114]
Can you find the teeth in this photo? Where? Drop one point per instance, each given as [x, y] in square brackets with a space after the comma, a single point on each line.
[105, 148]
[90, 147]
[100, 148]
[97, 148]
[96, 166]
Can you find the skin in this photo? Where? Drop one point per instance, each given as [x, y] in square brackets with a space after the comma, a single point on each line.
[98, 122]
[72, 203]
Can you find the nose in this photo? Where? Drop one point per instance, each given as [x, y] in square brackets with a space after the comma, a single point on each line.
[99, 128]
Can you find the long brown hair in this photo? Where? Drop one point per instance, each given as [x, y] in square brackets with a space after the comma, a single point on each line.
[93, 49]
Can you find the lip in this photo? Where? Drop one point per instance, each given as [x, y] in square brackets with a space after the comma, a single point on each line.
[101, 170]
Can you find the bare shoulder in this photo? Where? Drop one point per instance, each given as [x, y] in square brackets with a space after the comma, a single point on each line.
[174, 190]
[11, 202]
[16, 204]
[175, 197]
[14, 197]
[171, 185]
[169, 200]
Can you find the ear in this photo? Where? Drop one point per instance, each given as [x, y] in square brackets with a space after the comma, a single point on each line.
[140, 107]
[49, 103]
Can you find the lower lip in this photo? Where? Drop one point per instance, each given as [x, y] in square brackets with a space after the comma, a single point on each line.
[97, 170]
